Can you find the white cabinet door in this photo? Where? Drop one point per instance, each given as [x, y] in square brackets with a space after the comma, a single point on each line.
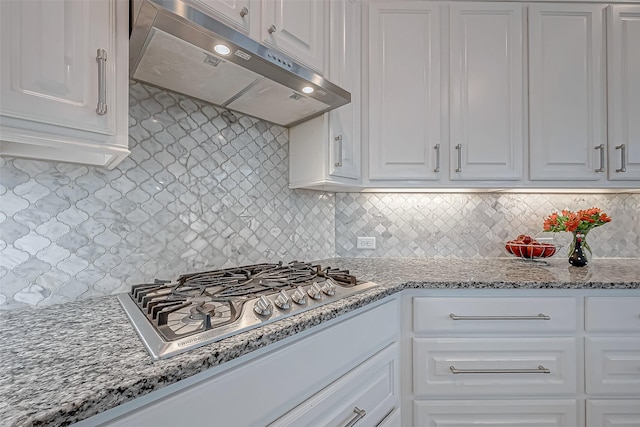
[52, 80]
[612, 366]
[243, 15]
[344, 70]
[566, 92]
[296, 27]
[512, 413]
[324, 153]
[613, 413]
[404, 90]
[624, 91]
[486, 90]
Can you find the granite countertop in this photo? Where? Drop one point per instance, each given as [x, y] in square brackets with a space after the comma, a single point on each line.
[65, 363]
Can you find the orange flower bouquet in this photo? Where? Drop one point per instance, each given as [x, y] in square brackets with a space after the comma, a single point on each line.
[579, 223]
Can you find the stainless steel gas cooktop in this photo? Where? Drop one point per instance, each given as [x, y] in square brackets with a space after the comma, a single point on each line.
[201, 308]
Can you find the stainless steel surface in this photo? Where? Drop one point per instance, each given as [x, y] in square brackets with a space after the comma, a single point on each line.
[172, 46]
[437, 148]
[539, 370]
[601, 148]
[101, 58]
[359, 414]
[338, 139]
[459, 149]
[538, 317]
[623, 157]
[201, 308]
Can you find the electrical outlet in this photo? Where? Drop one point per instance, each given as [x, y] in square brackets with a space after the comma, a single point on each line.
[366, 243]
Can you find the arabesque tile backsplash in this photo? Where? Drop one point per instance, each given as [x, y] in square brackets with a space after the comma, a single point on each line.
[197, 191]
[201, 191]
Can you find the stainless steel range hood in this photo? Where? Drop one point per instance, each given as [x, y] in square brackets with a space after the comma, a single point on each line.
[172, 46]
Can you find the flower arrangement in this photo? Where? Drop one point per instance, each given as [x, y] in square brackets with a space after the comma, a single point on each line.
[579, 223]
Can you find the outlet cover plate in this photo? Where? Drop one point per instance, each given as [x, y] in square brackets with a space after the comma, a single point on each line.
[365, 243]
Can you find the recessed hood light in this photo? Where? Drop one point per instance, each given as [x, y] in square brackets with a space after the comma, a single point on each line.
[222, 49]
[307, 89]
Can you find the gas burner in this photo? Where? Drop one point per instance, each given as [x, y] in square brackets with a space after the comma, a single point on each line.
[204, 307]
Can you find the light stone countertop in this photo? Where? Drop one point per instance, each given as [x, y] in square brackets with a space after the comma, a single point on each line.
[65, 363]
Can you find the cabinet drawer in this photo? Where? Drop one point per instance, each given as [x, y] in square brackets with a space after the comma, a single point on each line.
[494, 366]
[606, 314]
[613, 413]
[472, 413]
[496, 314]
[372, 387]
[613, 365]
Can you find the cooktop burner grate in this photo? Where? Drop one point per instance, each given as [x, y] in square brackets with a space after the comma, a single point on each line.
[199, 308]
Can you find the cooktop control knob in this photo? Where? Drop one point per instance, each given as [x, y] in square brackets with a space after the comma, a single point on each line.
[263, 307]
[299, 296]
[282, 301]
[314, 291]
[329, 288]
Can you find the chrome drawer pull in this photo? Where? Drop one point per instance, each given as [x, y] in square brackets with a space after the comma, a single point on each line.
[541, 370]
[437, 148]
[538, 317]
[360, 413]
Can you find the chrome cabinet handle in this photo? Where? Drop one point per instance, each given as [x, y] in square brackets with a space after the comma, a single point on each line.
[540, 370]
[244, 12]
[459, 148]
[338, 139]
[360, 413]
[437, 148]
[538, 317]
[101, 57]
[272, 29]
[601, 148]
[623, 157]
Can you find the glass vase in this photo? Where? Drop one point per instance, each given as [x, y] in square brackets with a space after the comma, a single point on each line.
[579, 250]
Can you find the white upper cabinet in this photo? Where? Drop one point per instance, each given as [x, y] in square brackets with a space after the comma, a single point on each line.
[623, 28]
[567, 92]
[64, 86]
[324, 152]
[344, 70]
[486, 91]
[243, 15]
[404, 90]
[297, 28]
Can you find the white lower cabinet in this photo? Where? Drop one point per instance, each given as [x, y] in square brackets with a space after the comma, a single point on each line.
[316, 380]
[613, 413]
[491, 359]
[612, 361]
[506, 413]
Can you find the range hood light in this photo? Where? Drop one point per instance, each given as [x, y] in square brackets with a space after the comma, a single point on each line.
[222, 49]
[307, 89]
